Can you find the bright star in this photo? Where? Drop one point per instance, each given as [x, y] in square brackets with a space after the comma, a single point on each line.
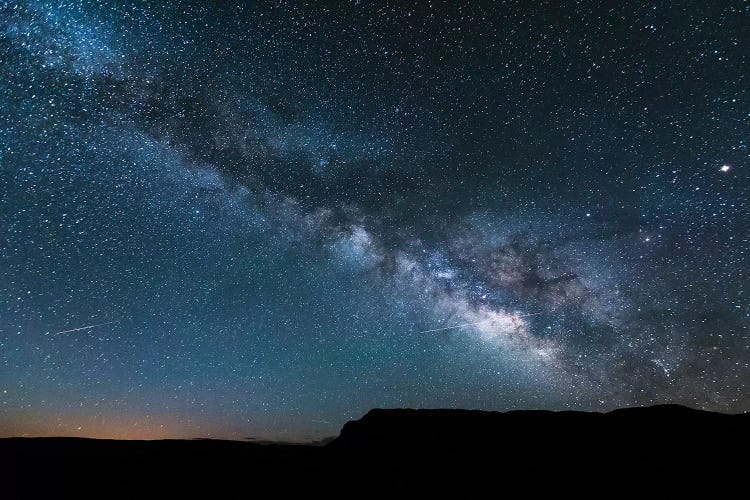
[725, 168]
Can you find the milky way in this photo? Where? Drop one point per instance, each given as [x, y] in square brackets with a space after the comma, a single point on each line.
[274, 213]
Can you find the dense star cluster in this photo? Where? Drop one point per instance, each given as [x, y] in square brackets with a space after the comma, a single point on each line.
[235, 219]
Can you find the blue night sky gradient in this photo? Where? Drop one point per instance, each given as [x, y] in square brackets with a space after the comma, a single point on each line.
[270, 201]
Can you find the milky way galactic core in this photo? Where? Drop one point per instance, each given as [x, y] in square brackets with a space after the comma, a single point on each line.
[260, 220]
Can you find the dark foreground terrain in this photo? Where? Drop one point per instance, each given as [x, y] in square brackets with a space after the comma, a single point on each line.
[637, 451]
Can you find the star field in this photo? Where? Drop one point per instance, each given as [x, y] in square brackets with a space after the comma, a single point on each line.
[266, 208]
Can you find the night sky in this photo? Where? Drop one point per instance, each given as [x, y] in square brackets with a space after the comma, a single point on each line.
[233, 220]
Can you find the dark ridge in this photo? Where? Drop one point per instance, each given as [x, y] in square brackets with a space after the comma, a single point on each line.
[645, 433]
[669, 447]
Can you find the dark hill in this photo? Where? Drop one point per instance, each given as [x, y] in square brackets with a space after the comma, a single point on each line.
[638, 449]
[641, 434]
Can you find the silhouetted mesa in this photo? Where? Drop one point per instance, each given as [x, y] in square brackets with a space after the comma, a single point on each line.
[669, 445]
[641, 434]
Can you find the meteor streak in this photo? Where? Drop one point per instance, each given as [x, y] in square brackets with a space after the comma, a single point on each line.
[88, 327]
[477, 323]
